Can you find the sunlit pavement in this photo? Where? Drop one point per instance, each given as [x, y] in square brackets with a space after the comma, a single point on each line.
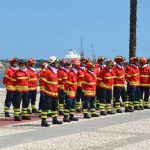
[118, 132]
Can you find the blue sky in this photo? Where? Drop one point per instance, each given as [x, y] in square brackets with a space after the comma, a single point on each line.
[41, 28]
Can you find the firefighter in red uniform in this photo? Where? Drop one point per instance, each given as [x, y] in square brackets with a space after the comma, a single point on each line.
[119, 84]
[89, 90]
[50, 92]
[63, 76]
[98, 67]
[61, 80]
[8, 81]
[21, 78]
[144, 82]
[133, 83]
[71, 92]
[32, 84]
[40, 76]
[80, 78]
[106, 77]
[66, 64]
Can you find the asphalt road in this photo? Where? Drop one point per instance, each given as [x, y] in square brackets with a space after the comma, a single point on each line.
[111, 132]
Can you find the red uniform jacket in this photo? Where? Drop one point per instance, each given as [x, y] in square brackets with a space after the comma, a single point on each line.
[89, 84]
[106, 78]
[80, 77]
[132, 75]
[8, 79]
[65, 78]
[72, 83]
[145, 76]
[40, 76]
[119, 78]
[97, 70]
[32, 79]
[62, 77]
[21, 78]
[51, 82]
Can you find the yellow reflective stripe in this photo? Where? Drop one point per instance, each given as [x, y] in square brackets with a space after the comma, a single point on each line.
[10, 87]
[118, 77]
[59, 79]
[144, 84]
[81, 75]
[72, 83]
[86, 92]
[144, 75]
[41, 87]
[90, 83]
[109, 77]
[61, 86]
[136, 74]
[79, 83]
[43, 79]
[71, 93]
[19, 78]
[6, 76]
[119, 85]
[50, 82]
[99, 78]
[18, 87]
[128, 75]
[51, 93]
[33, 88]
[134, 83]
[104, 85]
[31, 79]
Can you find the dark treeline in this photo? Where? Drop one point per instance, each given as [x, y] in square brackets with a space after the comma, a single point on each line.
[38, 63]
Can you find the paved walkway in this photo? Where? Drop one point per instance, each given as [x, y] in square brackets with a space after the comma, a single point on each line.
[113, 132]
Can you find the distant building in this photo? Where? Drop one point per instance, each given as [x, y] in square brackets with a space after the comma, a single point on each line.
[72, 54]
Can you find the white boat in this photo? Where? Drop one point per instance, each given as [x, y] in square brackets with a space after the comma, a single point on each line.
[72, 54]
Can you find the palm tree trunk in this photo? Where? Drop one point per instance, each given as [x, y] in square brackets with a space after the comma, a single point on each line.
[133, 17]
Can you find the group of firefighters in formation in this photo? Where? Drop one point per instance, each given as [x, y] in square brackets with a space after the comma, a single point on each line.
[69, 86]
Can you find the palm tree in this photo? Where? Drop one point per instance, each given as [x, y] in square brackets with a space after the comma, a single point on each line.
[133, 17]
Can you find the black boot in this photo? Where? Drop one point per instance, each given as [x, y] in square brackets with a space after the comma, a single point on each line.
[26, 118]
[78, 110]
[56, 121]
[44, 123]
[119, 111]
[61, 113]
[17, 118]
[146, 107]
[66, 119]
[94, 115]
[103, 113]
[7, 114]
[34, 110]
[87, 116]
[49, 115]
[114, 104]
[141, 107]
[127, 109]
[29, 111]
[72, 118]
[111, 112]
[136, 108]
